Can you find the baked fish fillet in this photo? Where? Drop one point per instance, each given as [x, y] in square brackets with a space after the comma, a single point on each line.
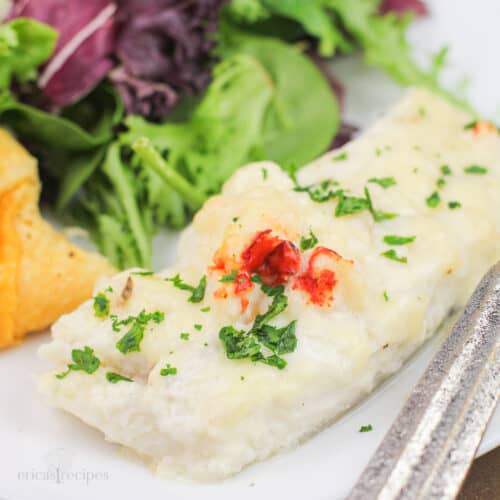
[315, 292]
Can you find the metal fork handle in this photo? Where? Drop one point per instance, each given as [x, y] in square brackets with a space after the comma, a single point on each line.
[429, 448]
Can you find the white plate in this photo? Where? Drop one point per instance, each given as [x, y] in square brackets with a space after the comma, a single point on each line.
[46, 454]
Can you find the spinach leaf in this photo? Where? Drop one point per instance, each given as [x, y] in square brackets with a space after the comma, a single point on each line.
[298, 126]
[103, 108]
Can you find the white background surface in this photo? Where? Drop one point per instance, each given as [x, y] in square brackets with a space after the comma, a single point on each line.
[36, 440]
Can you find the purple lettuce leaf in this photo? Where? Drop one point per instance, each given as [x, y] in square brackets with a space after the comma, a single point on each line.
[147, 98]
[418, 7]
[163, 47]
[83, 55]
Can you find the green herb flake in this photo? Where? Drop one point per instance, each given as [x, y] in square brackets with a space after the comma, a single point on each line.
[349, 205]
[239, 344]
[184, 336]
[440, 183]
[321, 192]
[470, 125]
[383, 182]
[264, 173]
[205, 309]
[433, 200]
[366, 428]
[308, 243]
[273, 291]
[168, 370]
[142, 273]
[131, 341]
[422, 112]
[198, 327]
[197, 293]
[272, 360]
[255, 278]
[445, 170]
[229, 278]
[101, 306]
[242, 377]
[83, 360]
[341, 156]
[378, 215]
[114, 378]
[452, 205]
[235, 219]
[475, 170]
[109, 289]
[391, 254]
[398, 240]
[378, 151]
[386, 296]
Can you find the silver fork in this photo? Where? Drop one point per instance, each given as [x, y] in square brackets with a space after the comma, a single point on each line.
[429, 448]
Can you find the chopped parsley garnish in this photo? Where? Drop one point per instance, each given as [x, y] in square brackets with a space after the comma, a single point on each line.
[378, 151]
[235, 219]
[131, 341]
[320, 192]
[440, 183]
[452, 205]
[101, 306]
[422, 112]
[239, 344]
[278, 305]
[378, 215]
[272, 360]
[273, 291]
[398, 240]
[383, 182]
[184, 336]
[366, 428]
[341, 156]
[168, 370]
[109, 289]
[255, 278]
[116, 377]
[433, 200]
[476, 170]
[83, 360]
[391, 254]
[386, 297]
[348, 205]
[198, 327]
[229, 278]
[445, 170]
[470, 125]
[279, 340]
[143, 273]
[205, 309]
[197, 292]
[308, 243]
[264, 173]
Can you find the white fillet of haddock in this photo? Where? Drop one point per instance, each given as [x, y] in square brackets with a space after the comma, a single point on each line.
[217, 415]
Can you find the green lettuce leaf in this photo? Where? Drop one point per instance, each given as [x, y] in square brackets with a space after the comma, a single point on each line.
[24, 45]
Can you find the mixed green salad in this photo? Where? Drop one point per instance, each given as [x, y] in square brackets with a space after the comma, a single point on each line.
[139, 110]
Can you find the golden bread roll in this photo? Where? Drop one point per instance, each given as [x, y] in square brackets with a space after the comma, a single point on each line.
[42, 274]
